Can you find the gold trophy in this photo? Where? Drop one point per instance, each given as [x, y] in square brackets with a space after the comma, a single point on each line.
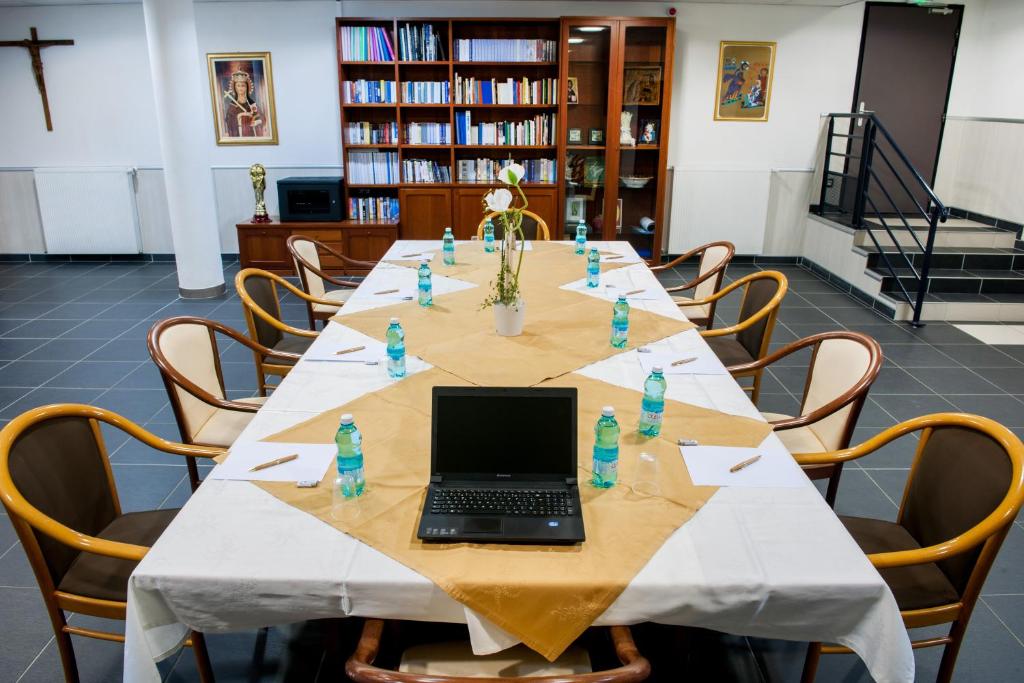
[258, 175]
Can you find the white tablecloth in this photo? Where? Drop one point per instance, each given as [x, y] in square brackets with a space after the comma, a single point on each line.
[762, 562]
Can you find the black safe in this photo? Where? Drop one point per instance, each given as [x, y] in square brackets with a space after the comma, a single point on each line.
[310, 199]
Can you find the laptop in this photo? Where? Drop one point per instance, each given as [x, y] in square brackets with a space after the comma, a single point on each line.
[503, 467]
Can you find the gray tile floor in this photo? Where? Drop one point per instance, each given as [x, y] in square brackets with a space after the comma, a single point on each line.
[76, 332]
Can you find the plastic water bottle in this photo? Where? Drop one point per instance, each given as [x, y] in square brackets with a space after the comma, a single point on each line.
[448, 244]
[652, 407]
[426, 287]
[396, 350]
[606, 450]
[489, 236]
[581, 237]
[593, 268]
[351, 478]
[620, 322]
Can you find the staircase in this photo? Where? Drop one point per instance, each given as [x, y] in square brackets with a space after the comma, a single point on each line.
[927, 265]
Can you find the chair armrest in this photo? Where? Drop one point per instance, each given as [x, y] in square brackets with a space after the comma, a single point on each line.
[763, 312]
[693, 283]
[680, 259]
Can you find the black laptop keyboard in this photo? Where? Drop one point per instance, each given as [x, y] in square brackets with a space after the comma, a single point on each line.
[515, 502]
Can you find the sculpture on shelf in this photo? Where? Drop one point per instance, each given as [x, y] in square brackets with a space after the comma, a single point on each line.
[625, 133]
[258, 175]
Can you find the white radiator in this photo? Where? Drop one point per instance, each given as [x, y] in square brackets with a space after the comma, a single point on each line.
[88, 210]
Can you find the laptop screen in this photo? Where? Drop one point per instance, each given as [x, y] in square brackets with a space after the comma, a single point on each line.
[498, 434]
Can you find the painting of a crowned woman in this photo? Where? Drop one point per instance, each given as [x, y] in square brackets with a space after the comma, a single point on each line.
[242, 91]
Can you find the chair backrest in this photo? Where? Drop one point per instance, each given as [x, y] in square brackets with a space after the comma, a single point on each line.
[759, 292]
[61, 468]
[532, 225]
[959, 476]
[263, 291]
[305, 250]
[840, 363]
[188, 346]
[712, 257]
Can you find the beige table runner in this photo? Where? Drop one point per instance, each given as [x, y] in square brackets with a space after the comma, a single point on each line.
[564, 330]
[546, 596]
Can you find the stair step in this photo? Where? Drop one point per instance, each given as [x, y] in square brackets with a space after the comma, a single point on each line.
[967, 258]
[949, 280]
[951, 224]
[961, 307]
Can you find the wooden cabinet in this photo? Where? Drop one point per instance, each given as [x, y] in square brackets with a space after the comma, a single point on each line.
[425, 212]
[263, 245]
[469, 208]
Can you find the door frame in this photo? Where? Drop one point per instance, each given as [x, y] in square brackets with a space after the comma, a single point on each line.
[949, 80]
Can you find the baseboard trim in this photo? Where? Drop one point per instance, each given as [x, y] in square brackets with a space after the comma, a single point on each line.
[100, 258]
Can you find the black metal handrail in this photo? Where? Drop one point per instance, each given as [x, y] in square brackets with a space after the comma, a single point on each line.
[865, 206]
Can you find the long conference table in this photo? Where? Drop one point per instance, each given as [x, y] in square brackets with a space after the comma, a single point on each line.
[766, 562]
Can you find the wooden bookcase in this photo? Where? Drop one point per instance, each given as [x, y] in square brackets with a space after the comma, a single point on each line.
[426, 208]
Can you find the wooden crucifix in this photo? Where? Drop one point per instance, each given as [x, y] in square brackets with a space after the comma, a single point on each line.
[34, 47]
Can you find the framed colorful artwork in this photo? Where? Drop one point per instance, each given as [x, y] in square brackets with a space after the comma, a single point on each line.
[573, 94]
[575, 136]
[744, 80]
[641, 85]
[242, 93]
[648, 132]
[596, 136]
[575, 209]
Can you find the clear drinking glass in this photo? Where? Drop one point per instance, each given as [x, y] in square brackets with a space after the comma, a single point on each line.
[645, 480]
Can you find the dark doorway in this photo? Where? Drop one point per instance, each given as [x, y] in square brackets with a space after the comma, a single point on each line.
[906, 64]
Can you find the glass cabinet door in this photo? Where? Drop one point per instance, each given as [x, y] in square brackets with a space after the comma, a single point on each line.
[587, 72]
[641, 147]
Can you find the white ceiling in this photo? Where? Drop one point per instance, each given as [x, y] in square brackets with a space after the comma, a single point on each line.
[819, 3]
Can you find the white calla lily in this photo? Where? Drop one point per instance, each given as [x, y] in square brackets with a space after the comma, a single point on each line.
[498, 200]
[512, 174]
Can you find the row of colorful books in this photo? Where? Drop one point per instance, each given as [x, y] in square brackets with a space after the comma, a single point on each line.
[372, 168]
[505, 50]
[469, 90]
[486, 170]
[426, 92]
[367, 133]
[420, 43]
[373, 208]
[540, 130]
[368, 92]
[425, 171]
[365, 44]
[428, 133]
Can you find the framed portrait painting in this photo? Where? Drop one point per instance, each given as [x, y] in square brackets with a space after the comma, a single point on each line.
[641, 85]
[744, 80]
[242, 92]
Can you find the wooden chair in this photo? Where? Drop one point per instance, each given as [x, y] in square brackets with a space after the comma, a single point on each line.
[258, 291]
[455, 663]
[541, 232]
[714, 259]
[965, 487]
[185, 351]
[747, 340]
[57, 486]
[842, 369]
[305, 253]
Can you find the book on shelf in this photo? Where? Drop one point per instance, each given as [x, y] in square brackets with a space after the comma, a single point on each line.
[365, 44]
[367, 133]
[425, 171]
[425, 92]
[368, 92]
[505, 50]
[372, 168]
[469, 90]
[420, 43]
[417, 133]
[539, 130]
[486, 170]
[373, 208]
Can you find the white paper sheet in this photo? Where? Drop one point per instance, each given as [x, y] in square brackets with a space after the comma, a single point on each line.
[372, 351]
[312, 463]
[709, 466]
[705, 363]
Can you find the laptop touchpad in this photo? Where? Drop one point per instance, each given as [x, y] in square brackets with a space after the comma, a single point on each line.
[482, 525]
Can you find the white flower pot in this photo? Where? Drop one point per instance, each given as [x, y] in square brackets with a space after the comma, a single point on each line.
[508, 320]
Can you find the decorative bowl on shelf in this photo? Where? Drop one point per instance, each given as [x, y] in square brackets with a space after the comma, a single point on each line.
[635, 181]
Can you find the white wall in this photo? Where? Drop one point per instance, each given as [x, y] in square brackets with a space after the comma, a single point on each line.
[980, 161]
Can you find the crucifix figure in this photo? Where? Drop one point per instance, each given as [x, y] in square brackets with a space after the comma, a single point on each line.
[34, 46]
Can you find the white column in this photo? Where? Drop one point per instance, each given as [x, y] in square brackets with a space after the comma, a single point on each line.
[183, 120]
